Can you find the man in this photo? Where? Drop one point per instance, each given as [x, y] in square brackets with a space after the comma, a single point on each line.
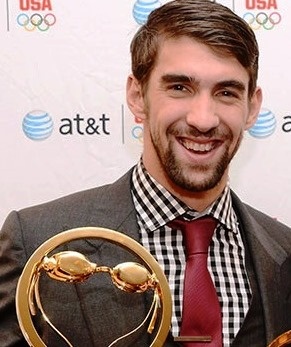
[193, 84]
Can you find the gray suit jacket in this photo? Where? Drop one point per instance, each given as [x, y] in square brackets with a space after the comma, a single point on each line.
[95, 313]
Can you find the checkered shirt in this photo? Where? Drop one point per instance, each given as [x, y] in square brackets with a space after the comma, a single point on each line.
[156, 207]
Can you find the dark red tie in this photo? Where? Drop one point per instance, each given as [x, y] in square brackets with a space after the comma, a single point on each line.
[201, 316]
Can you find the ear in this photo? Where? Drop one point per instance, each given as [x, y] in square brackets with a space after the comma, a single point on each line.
[254, 108]
[134, 97]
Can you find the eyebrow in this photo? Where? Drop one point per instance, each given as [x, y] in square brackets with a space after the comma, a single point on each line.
[181, 78]
[236, 84]
[172, 78]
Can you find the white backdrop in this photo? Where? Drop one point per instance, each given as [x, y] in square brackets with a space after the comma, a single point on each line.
[66, 62]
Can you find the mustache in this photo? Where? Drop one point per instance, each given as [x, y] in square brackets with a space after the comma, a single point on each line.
[194, 132]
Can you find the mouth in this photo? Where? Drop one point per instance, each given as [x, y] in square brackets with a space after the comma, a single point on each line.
[198, 147]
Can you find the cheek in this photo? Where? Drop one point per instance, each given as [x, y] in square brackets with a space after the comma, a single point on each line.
[161, 116]
[237, 122]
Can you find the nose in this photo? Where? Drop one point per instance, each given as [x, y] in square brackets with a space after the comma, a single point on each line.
[202, 113]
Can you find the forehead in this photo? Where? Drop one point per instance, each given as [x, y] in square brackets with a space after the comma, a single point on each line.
[189, 57]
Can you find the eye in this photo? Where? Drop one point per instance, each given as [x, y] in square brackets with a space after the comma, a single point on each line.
[230, 91]
[229, 96]
[227, 93]
[178, 87]
[179, 90]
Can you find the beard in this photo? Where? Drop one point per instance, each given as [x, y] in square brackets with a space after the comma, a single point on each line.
[187, 176]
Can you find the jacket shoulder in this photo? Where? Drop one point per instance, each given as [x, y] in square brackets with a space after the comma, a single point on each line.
[105, 206]
[254, 220]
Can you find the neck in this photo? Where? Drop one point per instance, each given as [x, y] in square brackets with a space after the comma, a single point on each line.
[198, 201]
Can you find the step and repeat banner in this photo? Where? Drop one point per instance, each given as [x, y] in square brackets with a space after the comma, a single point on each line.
[64, 123]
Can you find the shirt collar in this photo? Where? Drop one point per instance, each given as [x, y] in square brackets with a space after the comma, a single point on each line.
[156, 206]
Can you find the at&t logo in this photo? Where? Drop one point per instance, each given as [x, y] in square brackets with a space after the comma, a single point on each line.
[265, 125]
[38, 125]
[266, 14]
[36, 15]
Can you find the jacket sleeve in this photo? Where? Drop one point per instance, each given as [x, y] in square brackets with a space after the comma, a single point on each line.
[12, 260]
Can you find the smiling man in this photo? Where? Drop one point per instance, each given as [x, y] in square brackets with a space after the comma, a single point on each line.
[195, 107]
[194, 87]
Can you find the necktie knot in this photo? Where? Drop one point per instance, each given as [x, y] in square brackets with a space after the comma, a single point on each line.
[197, 234]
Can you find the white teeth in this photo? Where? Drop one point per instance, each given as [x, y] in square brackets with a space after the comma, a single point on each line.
[198, 147]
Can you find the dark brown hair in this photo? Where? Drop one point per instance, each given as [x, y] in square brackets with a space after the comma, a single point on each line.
[203, 20]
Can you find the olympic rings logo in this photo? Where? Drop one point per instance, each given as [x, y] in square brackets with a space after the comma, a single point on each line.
[137, 132]
[36, 20]
[261, 19]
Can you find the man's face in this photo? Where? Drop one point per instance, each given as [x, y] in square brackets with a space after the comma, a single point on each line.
[195, 109]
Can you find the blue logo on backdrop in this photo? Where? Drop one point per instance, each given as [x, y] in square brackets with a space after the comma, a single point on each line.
[37, 125]
[265, 124]
[142, 8]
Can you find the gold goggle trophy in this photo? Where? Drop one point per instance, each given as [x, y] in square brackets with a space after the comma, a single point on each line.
[73, 267]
